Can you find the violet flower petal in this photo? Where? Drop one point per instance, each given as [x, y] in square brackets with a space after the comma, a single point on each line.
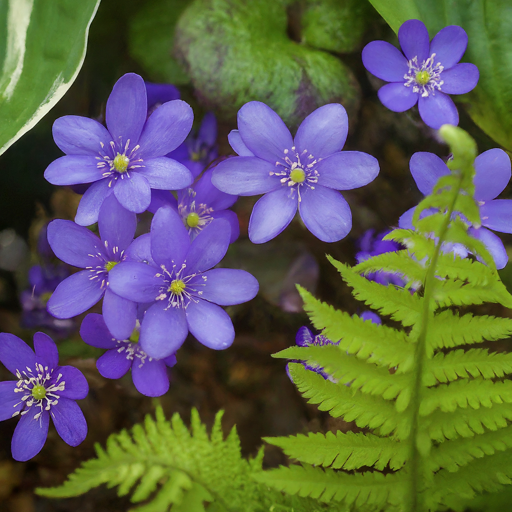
[73, 170]
[208, 193]
[161, 198]
[127, 109]
[304, 337]
[120, 315]
[232, 218]
[385, 61]
[405, 220]
[245, 176]
[238, 145]
[493, 244]
[75, 295]
[414, 40]
[209, 246]
[46, 351]
[74, 244]
[370, 316]
[325, 213]
[449, 45]
[15, 354]
[169, 238]
[113, 364]
[323, 132]
[426, 169]
[150, 378]
[140, 250]
[117, 227]
[208, 130]
[163, 331]
[226, 287]
[135, 281]
[10, 401]
[133, 193]
[69, 421]
[397, 97]
[271, 214]
[460, 79]
[76, 135]
[166, 128]
[160, 93]
[210, 325]
[438, 109]
[30, 435]
[166, 174]
[497, 215]
[90, 204]
[347, 170]
[492, 174]
[94, 332]
[263, 131]
[76, 386]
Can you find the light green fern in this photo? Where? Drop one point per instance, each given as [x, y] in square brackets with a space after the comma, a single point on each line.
[438, 411]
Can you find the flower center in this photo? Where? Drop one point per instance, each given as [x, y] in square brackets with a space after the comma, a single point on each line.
[298, 175]
[135, 335]
[45, 297]
[192, 220]
[38, 392]
[177, 287]
[121, 163]
[424, 78]
[110, 265]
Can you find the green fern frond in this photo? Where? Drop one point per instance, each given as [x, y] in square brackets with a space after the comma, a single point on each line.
[416, 243]
[360, 489]
[398, 303]
[344, 450]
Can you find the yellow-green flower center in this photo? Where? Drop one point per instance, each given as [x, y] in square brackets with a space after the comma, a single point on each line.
[134, 337]
[177, 287]
[38, 392]
[192, 220]
[121, 163]
[45, 297]
[422, 77]
[110, 265]
[297, 175]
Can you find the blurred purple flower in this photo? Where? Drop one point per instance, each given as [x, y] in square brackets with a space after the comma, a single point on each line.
[43, 389]
[150, 376]
[127, 159]
[371, 244]
[43, 281]
[492, 174]
[77, 246]
[304, 172]
[427, 73]
[158, 94]
[199, 149]
[180, 290]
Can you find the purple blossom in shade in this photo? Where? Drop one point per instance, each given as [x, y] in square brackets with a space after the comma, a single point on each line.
[304, 172]
[199, 149]
[42, 389]
[371, 244]
[127, 159]
[425, 73]
[182, 293]
[492, 174]
[199, 204]
[158, 94]
[150, 376]
[78, 246]
[43, 281]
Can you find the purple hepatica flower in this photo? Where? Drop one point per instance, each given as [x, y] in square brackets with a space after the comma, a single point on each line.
[199, 204]
[426, 74]
[149, 376]
[303, 172]
[127, 159]
[199, 149]
[370, 245]
[43, 281]
[158, 94]
[182, 292]
[77, 246]
[492, 174]
[43, 389]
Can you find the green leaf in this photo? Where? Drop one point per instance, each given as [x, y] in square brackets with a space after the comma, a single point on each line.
[42, 48]
[488, 25]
